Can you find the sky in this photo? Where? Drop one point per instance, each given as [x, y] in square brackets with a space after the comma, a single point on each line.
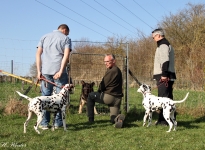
[23, 22]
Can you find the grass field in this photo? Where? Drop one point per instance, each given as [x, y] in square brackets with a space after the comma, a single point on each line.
[102, 135]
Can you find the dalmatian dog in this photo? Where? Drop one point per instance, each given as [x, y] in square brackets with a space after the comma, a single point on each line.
[153, 103]
[53, 103]
[71, 91]
[86, 89]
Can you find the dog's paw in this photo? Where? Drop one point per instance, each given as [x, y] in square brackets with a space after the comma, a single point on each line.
[38, 132]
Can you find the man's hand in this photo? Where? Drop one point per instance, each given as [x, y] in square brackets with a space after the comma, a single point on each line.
[57, 75]
[164, 79]
[39, 75]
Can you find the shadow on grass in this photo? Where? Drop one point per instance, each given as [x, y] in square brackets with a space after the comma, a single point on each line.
[87, 125]
[137, 115]
[189, 124]
[101, 108]
[201, 119]
[5, 135]
[130, 120]
[132, 117]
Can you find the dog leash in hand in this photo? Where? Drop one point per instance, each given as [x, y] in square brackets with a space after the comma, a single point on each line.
[164, 81]
[43, 78]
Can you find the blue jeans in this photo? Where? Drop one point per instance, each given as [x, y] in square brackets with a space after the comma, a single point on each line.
[46, 90]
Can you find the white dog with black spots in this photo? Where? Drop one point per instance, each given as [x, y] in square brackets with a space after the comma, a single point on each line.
[53, 104]
[153, 103]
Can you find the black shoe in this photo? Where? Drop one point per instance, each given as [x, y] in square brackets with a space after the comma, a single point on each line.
[91, 120]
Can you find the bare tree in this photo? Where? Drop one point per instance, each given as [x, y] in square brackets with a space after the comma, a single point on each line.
[185, 30]
[33, 70]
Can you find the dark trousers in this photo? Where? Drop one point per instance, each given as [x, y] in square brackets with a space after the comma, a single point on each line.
[165, 89]
[112, 101]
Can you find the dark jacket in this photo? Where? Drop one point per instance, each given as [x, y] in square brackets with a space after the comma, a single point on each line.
[112, 82]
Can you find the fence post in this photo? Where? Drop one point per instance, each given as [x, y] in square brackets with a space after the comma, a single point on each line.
[126, 78]
[12, 64]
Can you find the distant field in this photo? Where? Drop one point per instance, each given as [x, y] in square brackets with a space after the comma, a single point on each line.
[195, 99]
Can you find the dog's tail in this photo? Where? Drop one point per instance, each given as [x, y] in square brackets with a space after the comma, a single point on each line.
[181, 101]
[26, 97]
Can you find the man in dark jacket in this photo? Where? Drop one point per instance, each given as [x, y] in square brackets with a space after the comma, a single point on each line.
[109, 92]
[164, 71]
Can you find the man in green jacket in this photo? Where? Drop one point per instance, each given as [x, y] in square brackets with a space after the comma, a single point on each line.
[109, 92]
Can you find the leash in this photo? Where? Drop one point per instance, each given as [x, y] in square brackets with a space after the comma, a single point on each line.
[164, 81]
[43, 78]
[135, 78]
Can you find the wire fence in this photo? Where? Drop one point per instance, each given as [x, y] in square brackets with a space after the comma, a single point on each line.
[90, 68]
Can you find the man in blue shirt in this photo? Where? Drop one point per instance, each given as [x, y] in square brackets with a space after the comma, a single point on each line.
[52, 57]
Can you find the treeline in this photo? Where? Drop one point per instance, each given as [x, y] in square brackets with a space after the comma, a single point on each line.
[185, 30]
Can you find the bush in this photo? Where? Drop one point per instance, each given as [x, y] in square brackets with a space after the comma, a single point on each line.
[16, 107]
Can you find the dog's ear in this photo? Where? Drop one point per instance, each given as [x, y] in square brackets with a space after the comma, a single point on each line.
[144, 86]
[71, 85]
[150, 88]
[82, 82]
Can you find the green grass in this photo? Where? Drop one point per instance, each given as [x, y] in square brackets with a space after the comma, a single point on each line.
[102, 135]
